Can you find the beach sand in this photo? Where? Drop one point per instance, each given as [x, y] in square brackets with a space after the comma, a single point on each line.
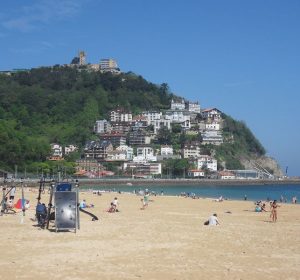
[165, 241]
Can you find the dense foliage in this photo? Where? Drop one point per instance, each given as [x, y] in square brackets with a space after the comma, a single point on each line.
[61, 105]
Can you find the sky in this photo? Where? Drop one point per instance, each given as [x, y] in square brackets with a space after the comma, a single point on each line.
[240, 56]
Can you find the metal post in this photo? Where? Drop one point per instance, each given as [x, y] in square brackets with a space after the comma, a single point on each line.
[77, 204]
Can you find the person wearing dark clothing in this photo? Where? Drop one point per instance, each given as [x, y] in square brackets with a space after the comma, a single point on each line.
[41, 214]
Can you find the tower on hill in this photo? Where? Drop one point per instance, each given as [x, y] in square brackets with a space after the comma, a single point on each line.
[82, 58]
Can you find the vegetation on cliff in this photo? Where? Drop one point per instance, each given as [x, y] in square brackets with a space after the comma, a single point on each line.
[61, 104]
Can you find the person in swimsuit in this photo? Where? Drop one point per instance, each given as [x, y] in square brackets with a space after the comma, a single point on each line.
[274, 211]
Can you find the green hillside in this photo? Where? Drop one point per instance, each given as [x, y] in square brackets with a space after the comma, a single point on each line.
[61, 104]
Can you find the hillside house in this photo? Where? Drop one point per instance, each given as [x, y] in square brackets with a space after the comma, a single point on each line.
[191, 150]
[102, 126]
[211, 114]
[196, 173]
[120, 115]
[115, 138]
[97, 150]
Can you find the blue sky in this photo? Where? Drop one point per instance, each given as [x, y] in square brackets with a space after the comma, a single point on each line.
[239, 56]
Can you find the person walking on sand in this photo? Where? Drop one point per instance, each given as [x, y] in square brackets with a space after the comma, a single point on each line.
[274, 211]
[145, 201]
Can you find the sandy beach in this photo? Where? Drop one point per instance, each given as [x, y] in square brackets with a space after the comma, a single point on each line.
[165, 241]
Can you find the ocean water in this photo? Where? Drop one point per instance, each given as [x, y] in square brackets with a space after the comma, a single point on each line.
[236, 192]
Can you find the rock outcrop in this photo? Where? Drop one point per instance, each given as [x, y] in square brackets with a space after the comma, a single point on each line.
[263, 162]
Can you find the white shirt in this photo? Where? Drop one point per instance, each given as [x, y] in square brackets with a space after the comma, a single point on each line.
[13, 191]
[115, 202]
[213, 221]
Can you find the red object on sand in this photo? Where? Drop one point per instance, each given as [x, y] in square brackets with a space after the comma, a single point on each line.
[21, 204]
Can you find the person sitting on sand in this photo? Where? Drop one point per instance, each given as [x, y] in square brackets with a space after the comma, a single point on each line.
[212, 220]
[112, 208]
[220, 199]
[257, 208]
[82, 204]
[263, 208]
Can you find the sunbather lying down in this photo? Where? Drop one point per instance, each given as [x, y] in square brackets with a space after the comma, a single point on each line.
[220, 199]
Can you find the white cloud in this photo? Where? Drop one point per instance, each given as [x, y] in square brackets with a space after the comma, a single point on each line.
[30, 18]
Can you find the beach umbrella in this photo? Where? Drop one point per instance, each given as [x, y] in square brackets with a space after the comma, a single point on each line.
[21, 203]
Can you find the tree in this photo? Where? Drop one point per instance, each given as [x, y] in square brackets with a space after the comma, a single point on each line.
[164, 136]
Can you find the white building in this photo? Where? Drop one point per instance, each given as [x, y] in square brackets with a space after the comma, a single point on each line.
[181, 117]
[212, 114]
[144, 154]
[160, 123]
[191, 150]
[109, 65]
[102, 126]
[128, 150]
[166, 150]
[120, 115]
[226, 175]
[196, 173]
[212, 126]
[70, 149]
[116, 156]
[193, 107]
[180, 105]
[151, 116]
[208, 162]
[213, 137]
[56, 150]
[139, 169]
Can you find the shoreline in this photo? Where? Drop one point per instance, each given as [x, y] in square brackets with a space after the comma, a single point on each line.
[163, 182]
[200, 182]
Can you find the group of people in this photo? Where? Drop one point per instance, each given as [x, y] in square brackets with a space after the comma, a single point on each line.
[260, 206]
[8, 203]
[83, 204]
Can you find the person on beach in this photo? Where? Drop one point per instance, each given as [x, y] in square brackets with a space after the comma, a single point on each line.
[112, 208]
[145, 201]
[116, 204]
[212, 220]
[12, 193]
[82, 204]
[274, 211]
[41, 214]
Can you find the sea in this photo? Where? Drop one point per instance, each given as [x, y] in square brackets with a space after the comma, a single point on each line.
[280, 192]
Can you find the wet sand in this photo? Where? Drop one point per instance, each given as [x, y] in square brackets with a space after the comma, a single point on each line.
[165, 241]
